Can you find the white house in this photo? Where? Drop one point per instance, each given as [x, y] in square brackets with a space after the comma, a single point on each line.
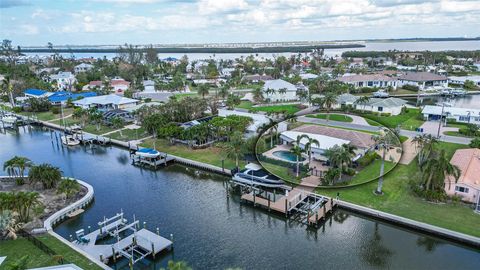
[345, 99]
[106, 102]
[83, 67]
[423, 80]
[390, 105]
[369, 80]
[119, 85]
[258, 119]
[64, 80]
[279, 90]
[460, 80]
[463, 115]
[148, 86]
[326, 142]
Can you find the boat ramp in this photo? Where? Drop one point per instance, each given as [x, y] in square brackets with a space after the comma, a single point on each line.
[130, 242]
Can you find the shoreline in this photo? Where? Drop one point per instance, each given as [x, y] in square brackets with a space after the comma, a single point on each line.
[469, 240]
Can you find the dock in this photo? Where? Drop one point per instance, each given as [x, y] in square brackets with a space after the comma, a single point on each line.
[136, 246]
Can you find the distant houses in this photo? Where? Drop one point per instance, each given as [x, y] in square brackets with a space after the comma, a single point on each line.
[256, 78]
[106, 102]
[468, 184]
[460, 80]
[258, 120]
[390, 105]
[463, 115]
[63, 80]
[83, 67]
[280, 90]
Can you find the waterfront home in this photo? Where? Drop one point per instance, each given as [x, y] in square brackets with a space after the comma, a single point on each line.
[369, 80]
[83, 67]
[460, 80]
[308, 76]
[463, 115]
[279, 90]
[356, 63]
[392, 106]
[258, 120]
[63, 80]
[256, 78]
[93, 85]
[119, 85]
[423, 80]
[106, 102]
[36, 93]
[468, 184]
[289, 137]
[56, 98]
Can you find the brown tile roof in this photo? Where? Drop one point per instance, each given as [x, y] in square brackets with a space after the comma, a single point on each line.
[422, 77]
[357, 138]
[468, 161]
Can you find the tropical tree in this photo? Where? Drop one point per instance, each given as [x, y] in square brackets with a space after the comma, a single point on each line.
[223, 91]
[82, 114]
[9, 223]
[232, 101]
[95, 116]
[332, 175]
[117, 123]
[327, 102]
[282, 91]
[68, 187]
[424, 145]
[234, 146]
[437, 169]
[46, 174]
[7, 89]
[297, 151]
[309, 145]
[16, 166]
[257, 94]
[362, 101]
[203, 90]
[383, 142]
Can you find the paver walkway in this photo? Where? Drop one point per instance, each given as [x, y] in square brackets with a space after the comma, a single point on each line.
[431, 127]
[409, 152]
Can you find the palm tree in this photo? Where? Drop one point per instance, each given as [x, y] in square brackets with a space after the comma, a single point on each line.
[327, 102]
[257, 94]
[297, 151]
[95, 116]
[282, 91]
[7, 87]
[332, 175]
[46, 174]
[68, 187]
[117, 123]
[383, 141]
[234, 147]
[362, 100]
[309, 145]
[223, 92]
[16, 166]
[203, 90]
[437, 169]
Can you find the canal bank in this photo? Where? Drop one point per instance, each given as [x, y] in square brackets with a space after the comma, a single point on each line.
[216, 232]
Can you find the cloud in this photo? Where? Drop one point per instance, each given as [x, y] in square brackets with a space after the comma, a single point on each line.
[13, 3]
[216, 6]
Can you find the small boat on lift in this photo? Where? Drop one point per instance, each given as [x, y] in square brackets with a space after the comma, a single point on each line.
[147, 152]
[69, 140]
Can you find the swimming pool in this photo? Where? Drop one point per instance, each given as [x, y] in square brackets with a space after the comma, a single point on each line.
[287, 156]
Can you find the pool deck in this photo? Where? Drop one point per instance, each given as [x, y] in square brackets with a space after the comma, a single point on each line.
[281, 147]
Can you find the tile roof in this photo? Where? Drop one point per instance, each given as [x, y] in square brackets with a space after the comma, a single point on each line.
[385, 102]
[422, 77]
[279, 84]
[468, 161]
[366, 77]
[356, 138]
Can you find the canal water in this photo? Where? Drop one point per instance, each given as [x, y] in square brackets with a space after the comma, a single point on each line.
[213, 232]
[467, 101]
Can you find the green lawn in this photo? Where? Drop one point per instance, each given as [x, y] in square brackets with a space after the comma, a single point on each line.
[93, 129]
[181, 96]
[47, 116]
[15, 249]
[457, 134]
[284, 173]
[69, 121]
[129, 134]
[370, 172]
[333, 117]
[372, 122]
[400, 200]
[408, 120]
[290, 109]
[401, 91]
[245, 105]
[211, 155]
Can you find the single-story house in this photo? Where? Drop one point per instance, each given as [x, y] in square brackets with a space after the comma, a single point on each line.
[119, 85]
[468, 185]
[196, 122]
[36, 93]
[258, 120]
[279, 90]
[83, 67]
[148, 86]
[125, 115]
[345, 99]
[463, 115]
[59, 97]
[460, 80]
[326, 142]
[390, 105]
[369, 80]
[106, 102]
[92, 85]
[423, 80]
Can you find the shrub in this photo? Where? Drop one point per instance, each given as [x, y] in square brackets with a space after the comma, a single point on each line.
[55, 110]
[17, 109]
[475, 143]
[368, 158]
[410, 87]
[385, 114]
[349, 171]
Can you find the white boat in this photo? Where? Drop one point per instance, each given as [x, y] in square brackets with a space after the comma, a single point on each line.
[69, 140]
[381, 94]
[254, 174]
[9, 119]
[147, 152]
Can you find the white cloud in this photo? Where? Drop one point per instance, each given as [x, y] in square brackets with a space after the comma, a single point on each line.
[216, 6]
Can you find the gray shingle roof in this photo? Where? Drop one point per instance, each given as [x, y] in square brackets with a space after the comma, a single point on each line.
[385, 102]
[422, 77]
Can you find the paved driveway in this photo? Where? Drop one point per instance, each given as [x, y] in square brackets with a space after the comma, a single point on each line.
[431, 127]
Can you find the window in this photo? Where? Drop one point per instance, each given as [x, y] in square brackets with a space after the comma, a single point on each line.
[370, 83]
[461, 189]
[380, 109]
[463, 118]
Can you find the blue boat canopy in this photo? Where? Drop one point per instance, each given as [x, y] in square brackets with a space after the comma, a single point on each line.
[148, 150]
[35, 92]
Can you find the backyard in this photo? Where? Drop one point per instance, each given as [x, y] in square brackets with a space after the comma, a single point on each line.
[48, 115]
[16, 249]
[333, 117]
[398, 199]
[409, 120]
[128, 134]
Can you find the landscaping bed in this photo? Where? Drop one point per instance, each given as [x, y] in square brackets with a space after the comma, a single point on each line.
[333, 117]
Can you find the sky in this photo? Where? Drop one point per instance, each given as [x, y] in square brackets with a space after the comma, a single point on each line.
[97, 22]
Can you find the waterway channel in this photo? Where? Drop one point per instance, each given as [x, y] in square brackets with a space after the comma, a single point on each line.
[214, 232]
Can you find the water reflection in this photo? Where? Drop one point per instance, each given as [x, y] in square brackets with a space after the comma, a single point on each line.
[375, 253]
[430, 244]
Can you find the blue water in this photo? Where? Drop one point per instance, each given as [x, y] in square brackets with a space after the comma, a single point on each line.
[288, 156]
[212, 231]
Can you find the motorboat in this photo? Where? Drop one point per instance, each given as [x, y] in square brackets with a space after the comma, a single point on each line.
[69, 140]
[254, 174]
[9, 119]
[147, 153]
[458, 92]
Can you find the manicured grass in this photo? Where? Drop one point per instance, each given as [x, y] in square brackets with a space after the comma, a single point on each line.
[210, 155]
[129, 134]
[370, 172]
[69, 121]
[372, 122]
[456, 134]
[412, 124]
[16, 249]
[93, 129]
[284, 173]
[397, 120]
[400, 200]
[290, 109]
[401, 91]
[333, 117]
[181, 96]
[245, 105]
[47, 116]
